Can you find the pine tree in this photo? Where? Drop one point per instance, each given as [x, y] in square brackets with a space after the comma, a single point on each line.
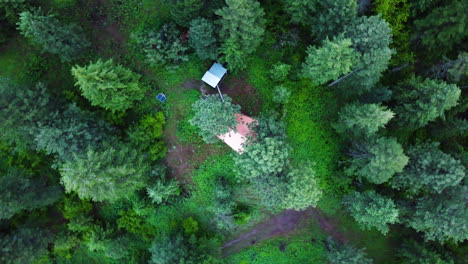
[300, 10]
[429, 169]
[331, 16]
[170, 250]
[108, 175]
[110, 86]
[370, 210]
[203, 39]
[421, 101]
[242, 23]
[358, 119]
[25, 245]
[377, 160]
[413, 252]
[214, 116]
[303, 189]
[332, 60]
[183, 11]
[66, 41]
[345, 254]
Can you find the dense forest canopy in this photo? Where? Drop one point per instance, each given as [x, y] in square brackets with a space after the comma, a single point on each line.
[356, 152]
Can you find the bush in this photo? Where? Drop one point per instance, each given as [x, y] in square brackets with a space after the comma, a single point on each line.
[280, 72]
[281, 94]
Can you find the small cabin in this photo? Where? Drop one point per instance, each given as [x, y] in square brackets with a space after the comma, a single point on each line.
[214, 75]
[236, 139]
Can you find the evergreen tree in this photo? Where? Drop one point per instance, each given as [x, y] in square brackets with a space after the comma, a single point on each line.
[203, 39]
[413, 252]
[242, 23]
[362, 119]
[19, 192]
[107, 175]
[332, 60]
[429, 169]
[331, 16]
[370, 210]
[300, 10]
[303, 189]
[442, 217]
[214, 116]
[453, 71]
[110, 86]
[377, 160]
[421, 101]
[66, 41]
[345, 254]
[183, 11]
[25, 245]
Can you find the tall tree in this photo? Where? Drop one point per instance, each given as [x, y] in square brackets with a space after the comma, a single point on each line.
[214, 116]
[19, 191]
[370, 210]
[377, 160]
[300, 10]
[25, 245]
[332, 60]
[442, 217]
[429, 169]
[331, 16]
[362, 119]
[242, 23]
[345, 254]
[183, 11]
[105, 175]
[203, 39]
[110, 86]
[303, 189]
[66, 41]
[423, 100]
[413, 252]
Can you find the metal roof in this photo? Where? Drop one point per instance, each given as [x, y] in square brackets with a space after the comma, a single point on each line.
[214, 75]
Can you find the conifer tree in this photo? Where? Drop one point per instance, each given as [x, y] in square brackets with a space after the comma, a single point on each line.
[300, 10]
[331, 16]
[345, 254]
[66, 41]
[25, 245]
[413, 252]
[110, 86]
[183, 11]
[303, 189]
[202, 38]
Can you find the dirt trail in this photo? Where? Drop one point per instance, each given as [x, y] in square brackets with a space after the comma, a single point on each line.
[279, 225]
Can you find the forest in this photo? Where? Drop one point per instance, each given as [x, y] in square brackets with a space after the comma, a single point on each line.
[355, 150]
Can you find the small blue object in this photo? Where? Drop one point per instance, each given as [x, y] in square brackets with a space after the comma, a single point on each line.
[161, 97]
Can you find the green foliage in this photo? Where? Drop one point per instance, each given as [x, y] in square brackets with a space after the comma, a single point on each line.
[453, 71]
[281, 94]
[300, 10]
[242, 29]
[376, 160]
[279, 72]
[105, 175]
[358, 119]
[170, 250]
[183, 11]
[162, 191]
[66, 41]
[332, 60]
[423, 100]
[202, 38]
[332, 16]
[413, 252]
[442, 217]
[19, 192]
[303, 189]
[214, 116]
[161, 47]
[370, 210]
[110, 86]
[74, 207]
[24, 245]
[147, 135]
[190, 225]
[346, 254]
[429, 170]
[136, 224]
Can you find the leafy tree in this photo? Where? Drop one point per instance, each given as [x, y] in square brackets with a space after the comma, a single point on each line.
[161, 47]
[19, 192]
[429, 169]
[442, 217]
[303, 189]
[214, 116]
[233, 55]
[332, 60]
[281, 94]
[370, 209]
[25, 245]
[443, 28]
[110, 86]
[280, 72]
[203, 39]
[147, 135]
[345, 254]
[66, 41]
[300, 10]
[170, 250]
[183, 11]
[377, 160]
[242, 23]
[421, 101]
[413, 252]
[362, 119]
[107, 175]
[331, 16]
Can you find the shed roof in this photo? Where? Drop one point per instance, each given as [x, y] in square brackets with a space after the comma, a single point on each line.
[214, 75]
[237, 138]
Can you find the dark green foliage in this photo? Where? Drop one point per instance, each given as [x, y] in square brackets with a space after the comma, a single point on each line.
[452, 71]
[281, 94]
[163, 188]
[105, 175]
[163, 47]
[183, 11]
[413, 252]
[214, 116]
[202, 38]
[429, 170]
[20, 192]
[442, 217]
[24, 245]
[242, 29]
[66, 41]
[376, 160]
[345, 254]
[370, 210]
[172, 249]
[108, 85]
[332, 16]
[300, 10]
[423, 100]
[279, 72]
[147, 135]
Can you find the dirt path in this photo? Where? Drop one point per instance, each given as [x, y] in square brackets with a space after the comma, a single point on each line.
[279, 225]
